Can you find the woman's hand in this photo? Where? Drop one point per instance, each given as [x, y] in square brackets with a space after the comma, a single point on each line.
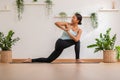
[63, 25]
[67, 27]
[77, 37]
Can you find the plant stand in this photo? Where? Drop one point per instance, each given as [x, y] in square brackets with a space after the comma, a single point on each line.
[109, 56]
[6, 56]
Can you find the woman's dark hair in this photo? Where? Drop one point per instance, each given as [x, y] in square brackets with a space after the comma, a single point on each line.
[79, 17]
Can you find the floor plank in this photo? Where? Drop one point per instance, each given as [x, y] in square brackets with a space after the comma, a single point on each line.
[48, 71]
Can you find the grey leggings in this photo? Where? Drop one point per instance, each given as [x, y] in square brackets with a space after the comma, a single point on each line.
[59, 47]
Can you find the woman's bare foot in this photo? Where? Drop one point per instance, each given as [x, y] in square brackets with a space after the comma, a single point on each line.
[28, 60]
[82, 61]
[77, 60]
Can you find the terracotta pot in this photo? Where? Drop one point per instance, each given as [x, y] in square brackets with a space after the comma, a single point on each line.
[6, 56]
[109, 56]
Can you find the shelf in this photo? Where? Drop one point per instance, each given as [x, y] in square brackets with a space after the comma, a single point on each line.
[71, 17]
[34, 4]
[86, 16]
[4, 10]
[109, 10]
[60, 17]
[29, 4]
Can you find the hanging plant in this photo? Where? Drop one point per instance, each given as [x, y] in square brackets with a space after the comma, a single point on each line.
[49, 4]
[35, 0]
[20, 8]
[63, 16]
[94, 20]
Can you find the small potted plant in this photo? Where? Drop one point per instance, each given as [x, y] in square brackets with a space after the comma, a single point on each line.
[63, 16]
[106, 44]
[35, 0]
[6, 43]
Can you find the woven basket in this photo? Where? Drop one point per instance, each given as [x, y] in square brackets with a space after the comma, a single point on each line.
[109, 56]
[6, 56]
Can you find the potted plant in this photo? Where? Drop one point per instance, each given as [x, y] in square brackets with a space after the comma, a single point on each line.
[118, 52]
[93, 18]
[35, 0]
[63, 16]
[20, 8]
[6, 43]
[106, 44]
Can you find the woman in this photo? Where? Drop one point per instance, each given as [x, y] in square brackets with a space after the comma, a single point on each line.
[71, 36]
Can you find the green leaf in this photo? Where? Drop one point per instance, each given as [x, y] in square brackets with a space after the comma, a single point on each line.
[101, 35]
[108, 31]
[97, 49]
[91, 46]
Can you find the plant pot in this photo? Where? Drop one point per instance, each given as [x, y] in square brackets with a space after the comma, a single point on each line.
[6, 56]
[109, 56]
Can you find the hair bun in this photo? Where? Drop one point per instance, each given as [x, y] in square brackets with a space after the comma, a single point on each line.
[79, 17]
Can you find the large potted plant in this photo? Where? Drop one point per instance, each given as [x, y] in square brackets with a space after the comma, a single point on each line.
[6, 43]
[118, 52]
[106, 44]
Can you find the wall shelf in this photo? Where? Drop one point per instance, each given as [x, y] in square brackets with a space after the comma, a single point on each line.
[86, 16]
[71, 17]
[29, 4]
[34, 4]
[4, 10]
[109, 10]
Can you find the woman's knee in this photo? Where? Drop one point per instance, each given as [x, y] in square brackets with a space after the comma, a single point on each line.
[77, 43]
[59, 44]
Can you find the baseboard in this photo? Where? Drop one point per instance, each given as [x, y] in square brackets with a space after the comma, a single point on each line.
[64, 60]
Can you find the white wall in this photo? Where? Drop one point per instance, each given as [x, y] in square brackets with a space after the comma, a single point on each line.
[38, 33]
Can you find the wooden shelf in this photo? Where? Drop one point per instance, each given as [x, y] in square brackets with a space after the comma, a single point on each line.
[71, 17]
[60, 17]
[4, 10]
[109, 10]
[34, 4]
[86, 16]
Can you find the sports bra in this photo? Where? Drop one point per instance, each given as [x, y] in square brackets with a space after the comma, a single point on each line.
[65, 35]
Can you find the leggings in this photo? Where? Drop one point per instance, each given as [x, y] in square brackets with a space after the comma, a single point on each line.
[59, 47]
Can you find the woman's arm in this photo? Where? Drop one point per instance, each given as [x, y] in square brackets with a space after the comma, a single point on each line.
[62, 25]
[77, 37]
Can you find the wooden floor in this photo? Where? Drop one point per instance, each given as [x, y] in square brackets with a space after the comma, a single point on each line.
[60, 71]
